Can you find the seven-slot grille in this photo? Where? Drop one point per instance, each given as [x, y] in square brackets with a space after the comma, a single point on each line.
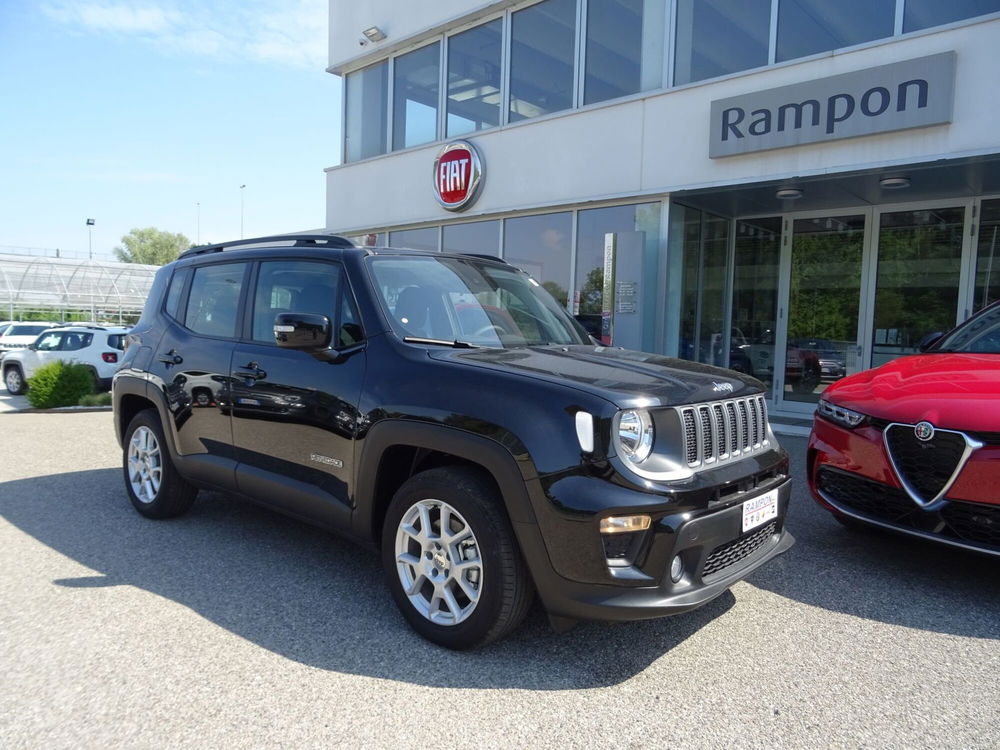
[723, 430]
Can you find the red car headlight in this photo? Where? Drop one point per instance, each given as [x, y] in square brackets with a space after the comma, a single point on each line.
[840, 415]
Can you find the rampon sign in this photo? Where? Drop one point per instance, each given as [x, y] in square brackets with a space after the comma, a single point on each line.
[909, 94]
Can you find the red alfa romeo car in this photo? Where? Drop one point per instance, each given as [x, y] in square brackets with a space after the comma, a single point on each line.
[914, 446]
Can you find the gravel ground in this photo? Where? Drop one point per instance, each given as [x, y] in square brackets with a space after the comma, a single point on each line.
[235, 627]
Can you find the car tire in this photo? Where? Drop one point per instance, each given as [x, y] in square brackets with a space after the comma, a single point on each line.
[463, 588]
[153, 483]
[13, 378]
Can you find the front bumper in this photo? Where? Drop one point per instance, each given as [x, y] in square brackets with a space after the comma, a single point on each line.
[851, 476]
[715, 550]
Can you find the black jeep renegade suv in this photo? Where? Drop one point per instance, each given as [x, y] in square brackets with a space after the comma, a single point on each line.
[445, 410]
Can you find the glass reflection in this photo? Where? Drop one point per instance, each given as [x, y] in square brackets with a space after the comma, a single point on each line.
[542, 54]
[755, 297]
[474, 78]
[415, 84]
[922, 14]
[540, 245]
[716, 37]
[988, 258]
[475, 237]
[624, 50]
[806, 27]
[415, 239]
[367, 112]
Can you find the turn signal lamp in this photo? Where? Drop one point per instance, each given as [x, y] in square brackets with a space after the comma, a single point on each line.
[624, 524]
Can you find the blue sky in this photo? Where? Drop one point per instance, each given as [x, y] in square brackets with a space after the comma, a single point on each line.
[132, 112]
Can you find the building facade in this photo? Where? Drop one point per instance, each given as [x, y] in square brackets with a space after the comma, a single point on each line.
[736, 182]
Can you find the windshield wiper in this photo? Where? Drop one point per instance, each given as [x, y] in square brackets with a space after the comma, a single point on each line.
[454, 343]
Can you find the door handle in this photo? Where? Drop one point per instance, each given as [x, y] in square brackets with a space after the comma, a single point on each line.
[251, 371]
[171, 358]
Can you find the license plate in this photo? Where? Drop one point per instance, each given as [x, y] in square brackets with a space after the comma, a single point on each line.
[760, 510]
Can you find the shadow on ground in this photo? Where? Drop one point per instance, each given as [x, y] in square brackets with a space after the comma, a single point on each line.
[308, 595]
[881, 576]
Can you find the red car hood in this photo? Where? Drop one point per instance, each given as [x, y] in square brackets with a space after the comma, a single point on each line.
[956, 391]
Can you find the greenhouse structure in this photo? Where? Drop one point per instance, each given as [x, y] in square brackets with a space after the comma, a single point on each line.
[62, 289]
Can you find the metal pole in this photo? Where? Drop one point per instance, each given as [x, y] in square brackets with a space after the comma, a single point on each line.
[198, 240]
[90, 241]
[241, 210]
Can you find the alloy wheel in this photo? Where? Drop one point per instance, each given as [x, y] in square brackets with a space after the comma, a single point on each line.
[13, 380]
[438, 562]
[145, 465]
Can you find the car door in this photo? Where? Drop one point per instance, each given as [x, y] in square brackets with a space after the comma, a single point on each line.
[191, 367]
[295, 413]
[43, 350]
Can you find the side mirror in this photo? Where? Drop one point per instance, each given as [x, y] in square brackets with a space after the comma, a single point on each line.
[303, 331]
[33, 346]
[929, 340]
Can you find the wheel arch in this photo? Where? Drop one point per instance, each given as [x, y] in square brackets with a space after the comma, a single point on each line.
[395, 450]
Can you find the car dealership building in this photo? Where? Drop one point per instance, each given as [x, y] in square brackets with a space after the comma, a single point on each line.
[736, 182]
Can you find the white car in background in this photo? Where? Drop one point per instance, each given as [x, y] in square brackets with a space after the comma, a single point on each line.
[19, 335]
[97, 347]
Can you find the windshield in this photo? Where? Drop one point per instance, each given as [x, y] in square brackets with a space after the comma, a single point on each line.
[19, 330]
[455, 300]
[980, 334]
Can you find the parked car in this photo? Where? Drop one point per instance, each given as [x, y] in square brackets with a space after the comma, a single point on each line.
[914, 445]
[832, 358]
[447, 411]
[802, 365]
[97, 347]
[19, 335]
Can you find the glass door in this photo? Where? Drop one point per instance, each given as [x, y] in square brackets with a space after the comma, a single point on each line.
[818, 341]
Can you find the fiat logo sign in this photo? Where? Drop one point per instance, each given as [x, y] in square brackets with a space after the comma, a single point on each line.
[924, 431]
[458, 172]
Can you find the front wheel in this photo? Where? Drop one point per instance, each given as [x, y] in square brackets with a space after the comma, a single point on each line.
[153, 484]
[14, 381]
[451, 560]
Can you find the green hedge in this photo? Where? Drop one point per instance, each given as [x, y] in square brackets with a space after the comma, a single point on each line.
[59, 384]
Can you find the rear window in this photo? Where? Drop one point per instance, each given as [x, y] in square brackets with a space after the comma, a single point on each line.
[25, 330]
[117, 341]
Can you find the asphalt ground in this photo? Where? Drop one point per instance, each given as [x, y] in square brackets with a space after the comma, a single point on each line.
[236, 627]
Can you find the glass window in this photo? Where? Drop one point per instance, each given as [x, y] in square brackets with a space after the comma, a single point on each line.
[117, 341]
[624, 48]
[293, 286]
[540, 245]
[716, 37]
[916, 292]
[174, 293]
[703, 305]
[637, 230]
[542, 53]
[215, 299]
[922, 14]
[988, 261]
[755, 297]
[415, 239]
[474, 78]
[367, 111]
[415, 85]
[806, 27]
[74, 341]
[449, 299]
[373, 239]
[49, 342]
[481, 237]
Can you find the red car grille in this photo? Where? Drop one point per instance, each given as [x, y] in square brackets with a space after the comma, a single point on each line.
[975, 523]
[927, 466]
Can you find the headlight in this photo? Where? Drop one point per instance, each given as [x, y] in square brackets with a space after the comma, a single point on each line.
[635, 435]
[840, 415]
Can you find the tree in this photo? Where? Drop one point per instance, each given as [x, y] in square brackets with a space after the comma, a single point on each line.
[151, 246]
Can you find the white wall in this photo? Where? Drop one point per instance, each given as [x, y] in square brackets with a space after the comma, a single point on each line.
[659, 144]
[402, 23]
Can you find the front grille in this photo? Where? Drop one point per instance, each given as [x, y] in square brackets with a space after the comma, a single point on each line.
[968, 522]
[731, 553]
[927, 466]
[723, 430]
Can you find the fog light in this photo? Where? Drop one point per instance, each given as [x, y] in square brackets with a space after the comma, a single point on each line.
[676, 569]
[624, 524]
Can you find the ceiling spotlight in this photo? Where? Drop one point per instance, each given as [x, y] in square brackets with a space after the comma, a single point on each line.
[374, 34]
[894, 183]
[788, 194]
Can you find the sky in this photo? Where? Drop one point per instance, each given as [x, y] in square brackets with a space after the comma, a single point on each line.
[134, 112]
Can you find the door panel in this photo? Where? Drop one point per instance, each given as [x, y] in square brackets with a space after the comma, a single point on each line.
[824, 286]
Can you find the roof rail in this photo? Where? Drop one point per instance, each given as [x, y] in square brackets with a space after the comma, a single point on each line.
[484, 256]
[300, 240]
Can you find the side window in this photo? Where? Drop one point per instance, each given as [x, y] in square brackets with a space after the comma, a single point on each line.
[117, 341]
[74, 342]
[214, 300]
[174, 293]
[301, 287]
[50, 342]
[350, 331]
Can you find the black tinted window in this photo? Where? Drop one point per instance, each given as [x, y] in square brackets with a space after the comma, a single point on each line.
[294, 286]
[73, 341]
[175, 291]
[117, 341]
[215, 299]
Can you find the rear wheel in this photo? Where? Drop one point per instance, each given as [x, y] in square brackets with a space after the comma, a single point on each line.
[14, 380]
[153, 484]
[451, 560]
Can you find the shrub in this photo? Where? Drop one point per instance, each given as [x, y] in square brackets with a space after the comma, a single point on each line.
[59, 384]
[96, 399]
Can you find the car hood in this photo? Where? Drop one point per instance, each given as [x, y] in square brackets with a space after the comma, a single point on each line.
[954, 391]
[626, 378]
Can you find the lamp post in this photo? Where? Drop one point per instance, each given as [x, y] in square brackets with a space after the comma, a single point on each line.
[198, 225]
[90, 239]
[241, 210]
